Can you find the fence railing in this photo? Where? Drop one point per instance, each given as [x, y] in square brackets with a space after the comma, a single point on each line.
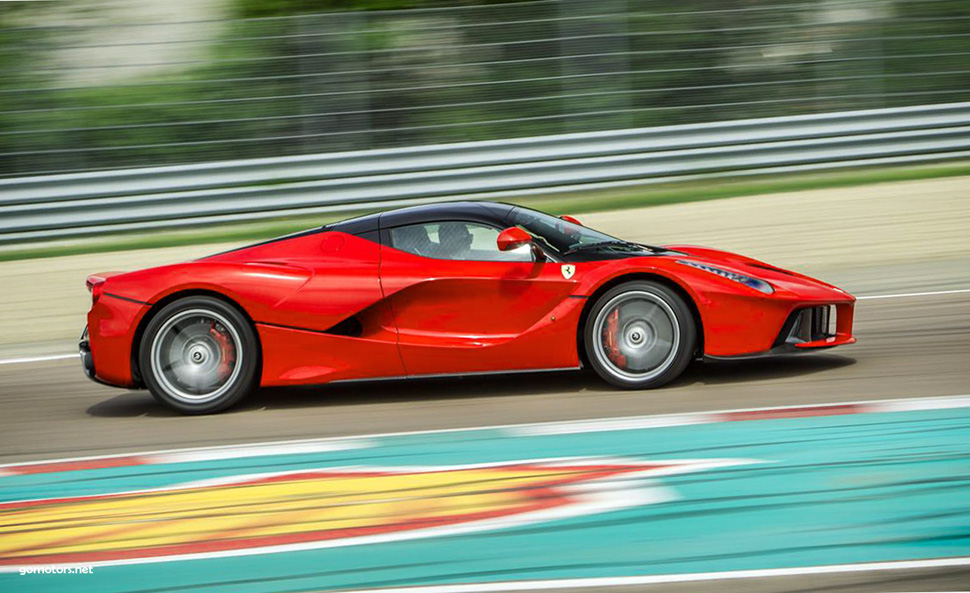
[48, 207]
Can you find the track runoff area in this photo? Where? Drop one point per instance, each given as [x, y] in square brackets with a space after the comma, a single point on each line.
[705, 496]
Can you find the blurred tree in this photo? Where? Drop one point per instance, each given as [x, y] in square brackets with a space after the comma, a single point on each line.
[269, 8]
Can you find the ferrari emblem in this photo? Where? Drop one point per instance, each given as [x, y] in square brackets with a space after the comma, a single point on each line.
[323, 508]
[568, 270]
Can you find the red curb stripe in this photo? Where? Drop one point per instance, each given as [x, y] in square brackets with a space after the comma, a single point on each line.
[796, 412]
[66, 466]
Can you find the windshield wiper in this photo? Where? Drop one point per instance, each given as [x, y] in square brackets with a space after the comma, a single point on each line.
[598, 244]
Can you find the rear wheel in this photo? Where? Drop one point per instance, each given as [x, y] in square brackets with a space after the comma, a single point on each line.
[640, 335]
[199, 355]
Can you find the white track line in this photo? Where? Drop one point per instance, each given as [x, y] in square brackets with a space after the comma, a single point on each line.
[862, 298]
[675, 578]
[912, 294]
[39, 358]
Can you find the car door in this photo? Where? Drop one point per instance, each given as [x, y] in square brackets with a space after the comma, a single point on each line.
[463, 306]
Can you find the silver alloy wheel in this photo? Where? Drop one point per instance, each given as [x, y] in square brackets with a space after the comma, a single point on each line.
[196, 355]
[636, 335]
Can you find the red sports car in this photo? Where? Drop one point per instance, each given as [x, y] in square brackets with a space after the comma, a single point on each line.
[449, 288]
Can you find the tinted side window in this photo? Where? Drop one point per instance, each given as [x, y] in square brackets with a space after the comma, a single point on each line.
[458, 240]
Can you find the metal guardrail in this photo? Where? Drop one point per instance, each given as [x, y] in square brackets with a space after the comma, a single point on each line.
[58, 206]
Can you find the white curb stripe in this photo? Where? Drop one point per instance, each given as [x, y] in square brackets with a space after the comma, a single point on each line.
[611, 424]
[918, 404]
[770, 413]
[188, 455]
[253, 451]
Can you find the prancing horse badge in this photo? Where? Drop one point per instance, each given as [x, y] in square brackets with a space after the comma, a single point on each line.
[568, 270]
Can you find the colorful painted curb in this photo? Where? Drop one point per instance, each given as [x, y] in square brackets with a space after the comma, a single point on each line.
[734, 494]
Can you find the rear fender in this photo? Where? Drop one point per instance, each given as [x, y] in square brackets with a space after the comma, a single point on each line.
[257, 287]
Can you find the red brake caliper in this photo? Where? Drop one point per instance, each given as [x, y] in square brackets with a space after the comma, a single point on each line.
[612, 339]
[225, 348]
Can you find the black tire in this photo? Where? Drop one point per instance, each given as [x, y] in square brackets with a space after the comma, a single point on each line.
[650, 345]
[217, 342]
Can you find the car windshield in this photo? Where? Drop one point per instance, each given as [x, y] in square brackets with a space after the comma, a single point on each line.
[560, 234]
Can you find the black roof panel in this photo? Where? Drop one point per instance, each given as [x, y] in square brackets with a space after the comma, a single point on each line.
[487, 212]
[356, 226]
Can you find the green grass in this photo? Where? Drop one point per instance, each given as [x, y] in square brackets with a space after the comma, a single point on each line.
[557, 203]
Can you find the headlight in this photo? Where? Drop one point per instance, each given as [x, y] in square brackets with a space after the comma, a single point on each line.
[755, 283]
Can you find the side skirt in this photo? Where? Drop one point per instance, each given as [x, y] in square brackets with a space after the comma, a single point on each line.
[452, 375]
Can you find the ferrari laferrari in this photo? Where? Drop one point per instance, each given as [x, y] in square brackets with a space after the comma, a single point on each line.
[444, 289]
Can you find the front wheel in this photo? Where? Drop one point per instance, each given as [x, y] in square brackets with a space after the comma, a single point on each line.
[640, 335]
[199, 355]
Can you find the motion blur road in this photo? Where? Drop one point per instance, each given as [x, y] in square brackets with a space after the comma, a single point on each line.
[910, 346]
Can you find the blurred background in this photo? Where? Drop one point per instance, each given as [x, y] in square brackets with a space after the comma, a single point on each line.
[91, 85]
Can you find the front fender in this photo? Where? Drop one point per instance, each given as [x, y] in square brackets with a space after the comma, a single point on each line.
[594, 279]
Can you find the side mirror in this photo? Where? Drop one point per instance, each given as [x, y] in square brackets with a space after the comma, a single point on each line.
[571, 219]
[513, 238]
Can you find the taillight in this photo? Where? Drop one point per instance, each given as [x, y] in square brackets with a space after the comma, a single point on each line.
[95, 284]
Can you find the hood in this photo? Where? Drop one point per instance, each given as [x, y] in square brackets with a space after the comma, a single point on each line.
[780, 278]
